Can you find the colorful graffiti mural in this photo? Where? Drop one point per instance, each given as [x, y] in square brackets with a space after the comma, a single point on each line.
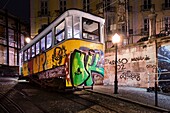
[80, 66]
[164, 67]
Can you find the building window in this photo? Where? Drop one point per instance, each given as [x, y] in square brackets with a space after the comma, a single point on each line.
[44, 8]
[146, 25]
[86, 5]
[167, 23]
[108, 5]
[11, 36]
[2, 35]
[147, 4]
[167, 3]
[22, 40]
[62, 6]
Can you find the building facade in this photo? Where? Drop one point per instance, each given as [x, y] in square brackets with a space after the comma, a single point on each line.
[12, 39]
[131, 20]
[127, 17]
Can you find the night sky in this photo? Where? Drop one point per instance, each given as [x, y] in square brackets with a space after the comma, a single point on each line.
[19, 8]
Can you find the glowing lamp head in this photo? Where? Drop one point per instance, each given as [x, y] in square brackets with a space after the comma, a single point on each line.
[116, 38]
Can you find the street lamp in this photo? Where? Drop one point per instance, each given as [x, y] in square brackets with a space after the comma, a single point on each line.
[115, 40]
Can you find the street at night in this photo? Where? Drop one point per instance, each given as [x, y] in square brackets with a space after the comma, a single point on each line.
[23, 97]
[85, 56]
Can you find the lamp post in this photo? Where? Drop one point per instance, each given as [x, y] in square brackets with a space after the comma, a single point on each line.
[115, 40]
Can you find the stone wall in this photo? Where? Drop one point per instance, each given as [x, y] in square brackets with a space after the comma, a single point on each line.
[136, 65]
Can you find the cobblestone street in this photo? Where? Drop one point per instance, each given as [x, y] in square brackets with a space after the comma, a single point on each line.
[33, 99]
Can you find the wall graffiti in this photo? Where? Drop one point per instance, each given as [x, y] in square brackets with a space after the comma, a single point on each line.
[120, 63]
[82, 66]
[151, 67]
[164, 67]
[130, 75]
[56, 72]
[140, 58]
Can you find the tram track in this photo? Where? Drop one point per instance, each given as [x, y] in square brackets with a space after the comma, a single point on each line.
[8, 105]
[90, 104]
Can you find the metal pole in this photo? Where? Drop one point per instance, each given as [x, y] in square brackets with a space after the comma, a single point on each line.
[156, 76]
[116, 81]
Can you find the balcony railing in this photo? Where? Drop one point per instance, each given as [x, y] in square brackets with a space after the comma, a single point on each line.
[147, 7]
[166, 6]
[43, 14]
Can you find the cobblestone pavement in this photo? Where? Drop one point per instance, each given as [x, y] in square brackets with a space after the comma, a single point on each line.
[138, 95]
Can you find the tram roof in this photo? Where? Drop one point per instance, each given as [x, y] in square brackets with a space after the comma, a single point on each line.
[56, 21]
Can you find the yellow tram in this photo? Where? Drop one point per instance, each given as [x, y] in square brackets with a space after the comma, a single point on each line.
[69, 53]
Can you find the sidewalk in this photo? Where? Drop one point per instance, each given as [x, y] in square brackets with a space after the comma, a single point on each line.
[138, 95]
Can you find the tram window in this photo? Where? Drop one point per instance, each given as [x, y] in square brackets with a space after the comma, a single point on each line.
[49, 40]
[90, 29]
[33, 51]
[69, 27]
[59, 28]
[25, 55]
[59, 38]
[43, 44]
[29, 53]
[76, 27]
[37, 48]
[59, 33]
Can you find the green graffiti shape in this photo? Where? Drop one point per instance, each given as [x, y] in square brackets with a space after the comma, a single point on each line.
[78, 72]
[91, 66]
[81, 71]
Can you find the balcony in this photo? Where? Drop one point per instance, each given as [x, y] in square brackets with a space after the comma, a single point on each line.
[147, 7]
[166, 6]
[43, 14]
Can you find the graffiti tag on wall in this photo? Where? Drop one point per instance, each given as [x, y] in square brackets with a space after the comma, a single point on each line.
[130, 75]
[121, 63]
[140, 58]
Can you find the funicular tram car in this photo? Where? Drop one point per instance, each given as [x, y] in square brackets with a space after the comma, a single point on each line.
[68, 53]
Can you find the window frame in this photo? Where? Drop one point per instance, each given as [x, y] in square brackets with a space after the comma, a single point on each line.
[41, 51]
[46, 42]
[25, 53]
[60, 32]
[34, 51]
[91, 33]
[36, 48]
